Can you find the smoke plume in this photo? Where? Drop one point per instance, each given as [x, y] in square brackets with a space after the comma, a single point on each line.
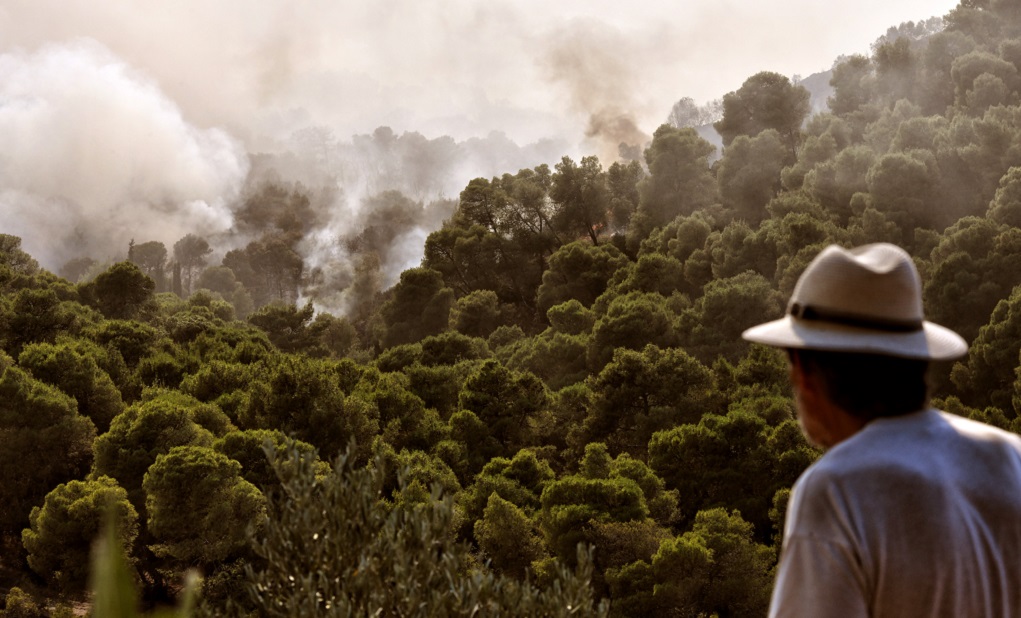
[94, 155]
[126, 120]
[596, 64]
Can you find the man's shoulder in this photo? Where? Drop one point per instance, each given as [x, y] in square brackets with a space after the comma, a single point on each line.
[918, 445]
[978, 430]
[924, 429]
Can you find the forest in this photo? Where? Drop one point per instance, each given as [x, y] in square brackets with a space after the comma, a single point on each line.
[553, 414]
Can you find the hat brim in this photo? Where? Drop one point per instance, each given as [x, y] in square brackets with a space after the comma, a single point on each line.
[932, 342]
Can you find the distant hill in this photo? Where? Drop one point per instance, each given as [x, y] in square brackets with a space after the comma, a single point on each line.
[819, 89]
[708, 133]
[818, 86]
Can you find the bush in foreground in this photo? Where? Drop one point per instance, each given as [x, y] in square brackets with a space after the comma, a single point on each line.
[334, 546]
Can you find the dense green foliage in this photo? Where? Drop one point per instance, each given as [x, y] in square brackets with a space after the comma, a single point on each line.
[563, 368]
[334, 546]
[65, 527]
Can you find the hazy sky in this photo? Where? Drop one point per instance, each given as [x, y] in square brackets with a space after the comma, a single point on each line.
[462, 67]
[122, 119]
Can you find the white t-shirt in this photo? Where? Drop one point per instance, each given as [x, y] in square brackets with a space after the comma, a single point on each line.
[918, 515]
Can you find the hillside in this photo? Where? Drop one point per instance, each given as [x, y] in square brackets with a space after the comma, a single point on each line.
[564, 366]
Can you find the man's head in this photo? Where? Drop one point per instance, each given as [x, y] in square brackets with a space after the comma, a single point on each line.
[857, 338]
[862, 387]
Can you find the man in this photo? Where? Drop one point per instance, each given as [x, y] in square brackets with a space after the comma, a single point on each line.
[911, 511]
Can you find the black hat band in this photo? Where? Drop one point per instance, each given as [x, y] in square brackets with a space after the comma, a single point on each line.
[808, 312]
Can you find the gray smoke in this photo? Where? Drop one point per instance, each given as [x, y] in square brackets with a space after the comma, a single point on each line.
[97, 155]
[601, 72]
[393, 190]
[126, 120]
[94, 155]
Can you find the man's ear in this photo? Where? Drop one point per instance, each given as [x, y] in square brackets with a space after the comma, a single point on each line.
[803, 379]
[797, 372]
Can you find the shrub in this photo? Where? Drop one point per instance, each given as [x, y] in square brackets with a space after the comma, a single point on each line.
[333, 546]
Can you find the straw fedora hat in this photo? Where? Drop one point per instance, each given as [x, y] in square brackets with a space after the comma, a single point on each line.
[868, 300]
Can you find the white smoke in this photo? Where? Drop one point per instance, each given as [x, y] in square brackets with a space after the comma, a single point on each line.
[463, 68]
[123, 133]
[95, 155]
